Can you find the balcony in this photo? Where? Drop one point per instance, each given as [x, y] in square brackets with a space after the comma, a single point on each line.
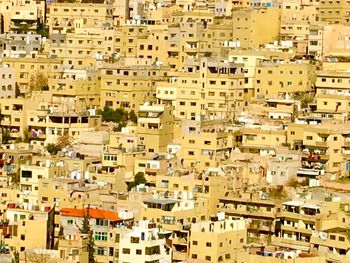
[309, 172]
[295, 244]
[298, 216]
[179, 256]
[296, 229]
[247, 213]
[321, 143]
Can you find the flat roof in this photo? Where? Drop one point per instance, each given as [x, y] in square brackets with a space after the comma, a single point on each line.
[161, 201]
[293, 203]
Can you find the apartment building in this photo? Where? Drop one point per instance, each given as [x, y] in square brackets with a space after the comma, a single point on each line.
[322, 148]
[281, 109]
[153, 167]
[66, 16]
[187, 35]
[295, 25]
[332, 95]
[70, 124]
[27, 69]
[203, 144]
[155, 128]
[331, 239]
[144, 243]
[14, 45]
[210, 185]
[298, 222]
[81, 49]
[30, 176]
[142, 41]
[14, 115]
[250, 60]
[129, 86]
[334, 12]
[24, 18]
[217, 240]
[248, 25]
[207, 89]
[102, 223]
[273, 79]
[8, 84]
[282, 168]
[73, 249]
[176, 214]
[28, 227]
[75, 90]
[259, 212]
[13, 157]
[263, 140]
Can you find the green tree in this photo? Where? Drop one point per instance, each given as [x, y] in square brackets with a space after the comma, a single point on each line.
[16, 257]
[139, 178]
[64, 141]
[6, 137]
[293, 182]
[38, 81]
[347, 233]
[15, 177]
[52, 148]
[26, 135]
[85, 229]
[133, 116]
[42, 30]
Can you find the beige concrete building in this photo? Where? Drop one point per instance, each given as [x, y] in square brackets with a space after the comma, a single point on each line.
[206, 90]
[332, 95]
[128, 87]
[27, 69]
[29, 228]
[334, 12]
[155, 128]
[280, 79]
[217, 240]
[66, 16]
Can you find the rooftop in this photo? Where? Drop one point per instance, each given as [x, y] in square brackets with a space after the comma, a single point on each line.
[92, 212]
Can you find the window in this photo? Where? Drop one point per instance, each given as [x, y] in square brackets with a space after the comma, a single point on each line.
[126, 251]
[102, 251]
[309, 138]
[194, 242]
[152, 250]
[101, 222]
[208, 244]
[26, 174]
[138, 252]
[101, 236]
[134, 240]
[208, 258]
[194, 256]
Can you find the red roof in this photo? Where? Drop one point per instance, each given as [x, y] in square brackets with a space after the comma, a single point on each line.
[92, 212]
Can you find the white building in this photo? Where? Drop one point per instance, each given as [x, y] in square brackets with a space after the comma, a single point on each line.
[144, 243]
